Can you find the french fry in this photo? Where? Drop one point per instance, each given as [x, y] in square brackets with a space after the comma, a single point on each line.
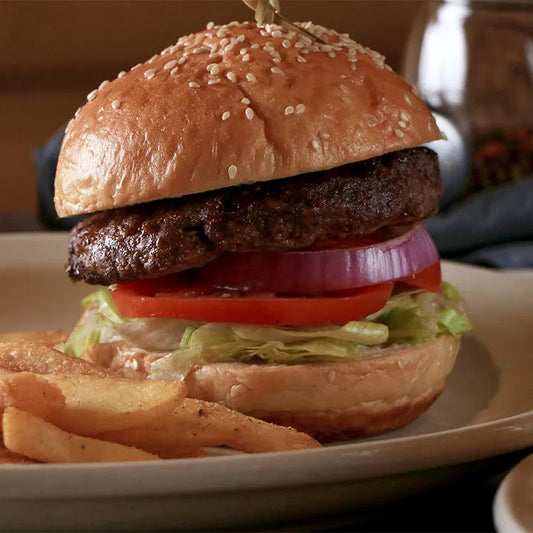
[178, 452]
[48, 338]
[96, 404]
[32, 393]
[205, 424]
[75, 411]
[22, 356]
[10, 458]
[33, 437]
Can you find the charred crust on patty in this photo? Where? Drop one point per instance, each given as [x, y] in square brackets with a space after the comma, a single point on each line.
[173, 235]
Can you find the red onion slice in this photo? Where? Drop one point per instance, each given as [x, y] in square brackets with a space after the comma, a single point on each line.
[304, 272]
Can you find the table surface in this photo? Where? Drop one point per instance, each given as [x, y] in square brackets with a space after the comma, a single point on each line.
[464, 506]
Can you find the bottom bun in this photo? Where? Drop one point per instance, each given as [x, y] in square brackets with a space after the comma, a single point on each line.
[330, 401]
[334, 401]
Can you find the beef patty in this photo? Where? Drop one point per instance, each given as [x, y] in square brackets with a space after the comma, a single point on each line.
[166, 236]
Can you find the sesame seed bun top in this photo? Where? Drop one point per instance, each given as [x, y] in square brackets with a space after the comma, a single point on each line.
[234, 104]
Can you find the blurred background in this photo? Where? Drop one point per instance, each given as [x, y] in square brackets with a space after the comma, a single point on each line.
[53, 53]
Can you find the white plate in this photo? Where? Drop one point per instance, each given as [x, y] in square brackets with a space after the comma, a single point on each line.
[486, 410]
[513, 505]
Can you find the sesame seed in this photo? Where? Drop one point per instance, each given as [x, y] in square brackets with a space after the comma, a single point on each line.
[170, 65]
[77, 112]
[301, 59]
[245, 101]
[353, 66]
[286, 43]
[343, 88]
[115, 104]
[240, 38]
[277, 33]
[276, 70]
[315, 144]
[243, 51]
[300, 108]
[276, 60]
[399, 133]
[210, 25]
[371, 120]
[103, 84]
[182, 60]
[408, 99]
[226, 115]
[135, 66]
[299, 44]
[224, 42]
[404, 116]
[213, 68]
[324, 135]
[352, 59]
[289, 110]
[149, 74]
[255, 45]
[121, 74]
[200, 50]
[246, 57]
[92, 95]
[331, 54]
[251, 78]
[402, 124]
[231, 77]
[249, 112]
[174, 71]
[232, 172]
[213, 81]
[193, 84]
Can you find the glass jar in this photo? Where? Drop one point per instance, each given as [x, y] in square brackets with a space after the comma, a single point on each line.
[472, 62]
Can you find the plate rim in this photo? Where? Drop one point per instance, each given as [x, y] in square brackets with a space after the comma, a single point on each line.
[507, 434]
[165, 477]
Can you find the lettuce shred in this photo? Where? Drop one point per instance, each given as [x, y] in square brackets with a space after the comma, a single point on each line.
[407, 318]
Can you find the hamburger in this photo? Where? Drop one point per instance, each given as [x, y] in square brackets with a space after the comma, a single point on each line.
[254, 197]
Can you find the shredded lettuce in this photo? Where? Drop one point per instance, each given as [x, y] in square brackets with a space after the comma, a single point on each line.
[409, 317]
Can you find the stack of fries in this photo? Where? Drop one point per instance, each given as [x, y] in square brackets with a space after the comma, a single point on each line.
[60, 409]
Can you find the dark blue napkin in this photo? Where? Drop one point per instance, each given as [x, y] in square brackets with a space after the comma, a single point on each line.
[493, 227]
[45, 160]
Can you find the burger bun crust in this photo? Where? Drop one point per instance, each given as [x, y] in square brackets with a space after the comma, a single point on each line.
[231, 105]
[334, 401]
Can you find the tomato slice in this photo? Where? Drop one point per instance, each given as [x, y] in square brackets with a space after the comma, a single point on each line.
[254, 309]
[174, 297]
[428, 279]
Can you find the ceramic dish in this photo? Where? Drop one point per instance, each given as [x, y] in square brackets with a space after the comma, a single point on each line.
[486, 411]
[513, 505]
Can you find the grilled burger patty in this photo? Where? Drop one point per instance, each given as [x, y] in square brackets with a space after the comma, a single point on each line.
[173, 235]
